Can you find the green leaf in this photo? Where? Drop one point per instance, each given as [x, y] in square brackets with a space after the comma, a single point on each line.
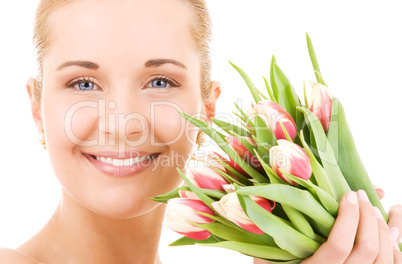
[298, 221]
[186, 241]
[258, 251]
[263, 238]
[288, 138]
[253, 250]
[263, 132]
[319, 173]
[272, 175]
[209, 192]
[328, 201]
[273, 82]
[271, 94]
[166, 197]
[314, 60]
[227, 233]
[249, 83]
[200, 194]
[225, 147]
[261, 94]
[287, 97]
[227, 176]
[245, 116]
[338, 182]
[230, 127]
[289, 195]
[341, 141]
[286, 237]
[305, 95]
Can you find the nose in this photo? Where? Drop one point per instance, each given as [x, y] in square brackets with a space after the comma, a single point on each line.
[124, 120]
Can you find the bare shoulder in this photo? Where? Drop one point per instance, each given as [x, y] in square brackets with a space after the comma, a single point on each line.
[13, 256]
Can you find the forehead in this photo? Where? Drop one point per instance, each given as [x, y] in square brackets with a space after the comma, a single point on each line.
[122, 30]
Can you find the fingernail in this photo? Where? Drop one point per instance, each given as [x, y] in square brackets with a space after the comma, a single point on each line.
[378, 213]
[352, 197]
[362, 195]
[394, 232]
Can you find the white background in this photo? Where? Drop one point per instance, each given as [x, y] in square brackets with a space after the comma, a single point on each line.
[358, 44]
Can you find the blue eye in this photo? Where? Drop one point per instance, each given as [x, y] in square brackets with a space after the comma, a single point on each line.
[86, 85]
[83, 84]
[162, 83]
[159, 83]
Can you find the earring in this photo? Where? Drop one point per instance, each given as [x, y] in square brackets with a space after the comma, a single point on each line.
[41, 139]
[200, 139]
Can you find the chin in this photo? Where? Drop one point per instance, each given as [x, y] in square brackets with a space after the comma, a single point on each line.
[127, 210]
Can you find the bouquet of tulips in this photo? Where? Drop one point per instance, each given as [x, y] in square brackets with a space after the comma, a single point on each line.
[276, 194]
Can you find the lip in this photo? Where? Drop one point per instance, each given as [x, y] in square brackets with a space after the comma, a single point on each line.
[121, 171]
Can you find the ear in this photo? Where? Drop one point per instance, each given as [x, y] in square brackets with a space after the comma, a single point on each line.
[211, 105]
[35, 105]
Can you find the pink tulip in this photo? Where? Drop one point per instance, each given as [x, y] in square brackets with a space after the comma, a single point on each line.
[320, 104]
[244, 153]
[202, 175]
[181, 210]
[290, 158]
[273, 114]
[230, 208]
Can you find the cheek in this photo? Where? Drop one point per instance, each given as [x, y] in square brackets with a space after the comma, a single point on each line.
[170, 128]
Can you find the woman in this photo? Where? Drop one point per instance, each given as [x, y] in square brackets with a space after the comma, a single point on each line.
[112, 76]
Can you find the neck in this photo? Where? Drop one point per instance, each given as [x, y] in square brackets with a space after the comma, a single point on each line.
[77, 235]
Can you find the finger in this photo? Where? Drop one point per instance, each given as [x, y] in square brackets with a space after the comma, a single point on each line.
[260, 261]
[385, 251]
[395, 219]
[366, 245]
[397, 256]
[341, 239]
[380, 192]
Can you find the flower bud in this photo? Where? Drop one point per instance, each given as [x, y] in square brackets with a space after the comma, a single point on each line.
[290, 158]
[320, 104]
[181, 210]
[230, 208]
[273, 114]
[244, 153]
[200, 173]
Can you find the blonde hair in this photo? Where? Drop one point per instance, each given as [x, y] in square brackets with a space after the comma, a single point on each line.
[200, 31]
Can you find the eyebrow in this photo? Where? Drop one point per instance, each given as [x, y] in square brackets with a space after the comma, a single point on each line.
[85, 64]
[159, 62]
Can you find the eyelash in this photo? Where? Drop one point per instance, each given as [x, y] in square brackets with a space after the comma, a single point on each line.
[170, 81]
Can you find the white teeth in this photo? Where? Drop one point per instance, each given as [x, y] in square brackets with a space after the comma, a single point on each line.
[123, 162]
[118, 162]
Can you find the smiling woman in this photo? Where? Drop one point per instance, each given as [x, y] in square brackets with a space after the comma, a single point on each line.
[112, 75]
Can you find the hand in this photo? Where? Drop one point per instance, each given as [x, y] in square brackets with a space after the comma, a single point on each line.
[360, 235]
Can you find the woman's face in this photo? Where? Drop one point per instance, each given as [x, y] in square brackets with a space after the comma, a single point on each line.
[115, 76]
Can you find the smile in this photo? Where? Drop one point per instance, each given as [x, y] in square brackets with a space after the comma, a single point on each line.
[121, 167]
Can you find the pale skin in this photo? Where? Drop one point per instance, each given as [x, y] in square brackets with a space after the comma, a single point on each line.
[106, 220]
[103, 219]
